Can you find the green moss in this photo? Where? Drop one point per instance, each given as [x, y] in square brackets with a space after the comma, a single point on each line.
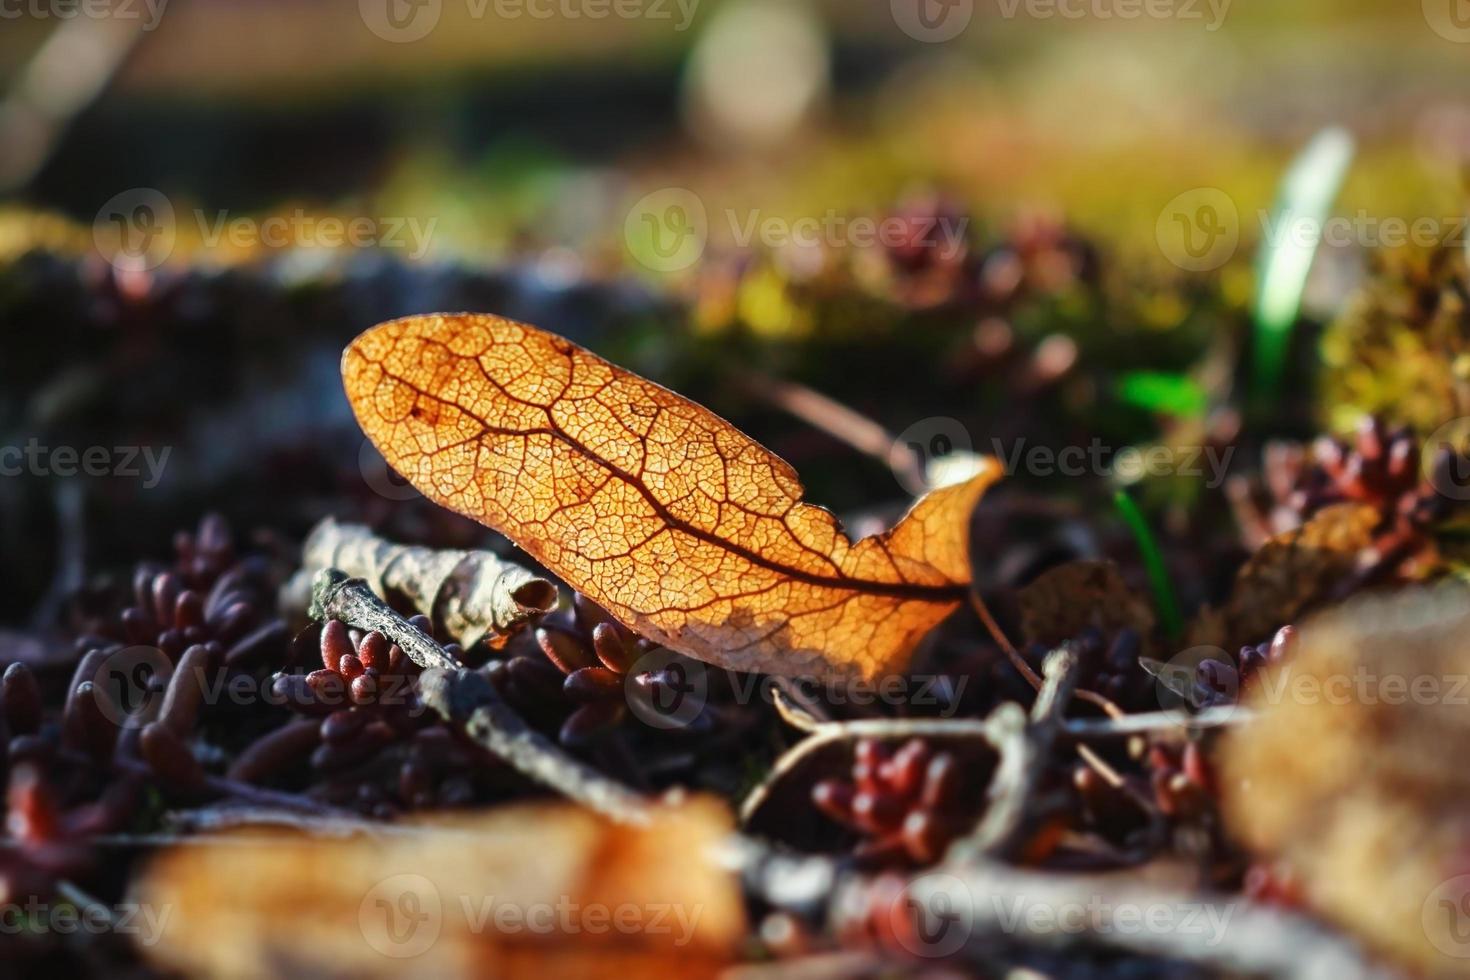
[1402, 347]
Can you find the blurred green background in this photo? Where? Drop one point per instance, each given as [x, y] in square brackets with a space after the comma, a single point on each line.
[522, 132]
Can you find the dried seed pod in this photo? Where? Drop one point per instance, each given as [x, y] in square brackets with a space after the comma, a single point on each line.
[329, 687]
[342, 726]
[364, 687]
[926, 836]
[166, 589]
[186, 688]
[615, 654]
[257, 646]
[94, 731]
[592, 684]
[350, 667]
[20, 700]
[373, 651]
[276, 751]
[909, 803]
[878, 812]
[331, 757]
[590, 720]
[234, 621]
[295, 692]
[170, 759]
[834, 798]
[335, 643]
[188, 610]
[563, 649]
[536, 679]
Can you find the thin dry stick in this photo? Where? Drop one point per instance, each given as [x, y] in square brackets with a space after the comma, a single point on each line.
[1024, 669]
[1024, 747]
[999, 636]
[797, 711]
[1158, 721]
[217, 818]
[1097, 762]
[1252, 940]
[840, 422]
[467, 700]
[980, 904]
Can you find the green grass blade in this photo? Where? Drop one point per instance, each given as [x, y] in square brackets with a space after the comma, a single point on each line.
[1293, 234]
[1153, 562]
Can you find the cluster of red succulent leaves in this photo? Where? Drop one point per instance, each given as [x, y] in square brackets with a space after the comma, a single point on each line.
[910, 802]
[906, 803]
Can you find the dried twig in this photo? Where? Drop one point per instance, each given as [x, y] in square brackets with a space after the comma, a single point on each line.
[971, 906]
[797, 710]
[1024, 748]
[840, 422]
[468, 700]
[472, 595]
[1252, 939]
[1157, 721]
[234, 816]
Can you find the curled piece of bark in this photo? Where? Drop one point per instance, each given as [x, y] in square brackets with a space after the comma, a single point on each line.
[471, 595]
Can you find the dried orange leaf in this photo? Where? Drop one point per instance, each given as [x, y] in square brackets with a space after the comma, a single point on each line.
[683, 527]
[529, 891]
